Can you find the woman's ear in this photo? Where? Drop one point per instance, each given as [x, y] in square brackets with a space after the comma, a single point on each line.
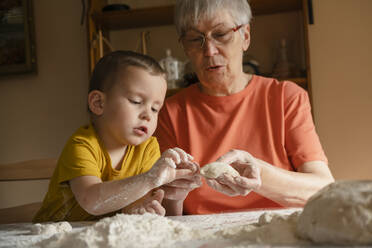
[246, 37]
[96, 101]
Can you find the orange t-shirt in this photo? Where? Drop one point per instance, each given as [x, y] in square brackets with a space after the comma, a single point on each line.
[269, 119]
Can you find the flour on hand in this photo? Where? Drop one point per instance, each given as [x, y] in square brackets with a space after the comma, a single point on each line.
[340, 213]
[216, 169]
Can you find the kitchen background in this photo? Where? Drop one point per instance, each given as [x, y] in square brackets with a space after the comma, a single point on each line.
[40, 111]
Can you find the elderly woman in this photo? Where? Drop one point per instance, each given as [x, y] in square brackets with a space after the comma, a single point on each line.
[260, 126]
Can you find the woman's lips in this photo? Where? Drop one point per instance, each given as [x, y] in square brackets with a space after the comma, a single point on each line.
[214, 68]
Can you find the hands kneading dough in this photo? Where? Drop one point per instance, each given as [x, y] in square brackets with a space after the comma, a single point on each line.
[216, 169]
[235, 173]
[179, 188]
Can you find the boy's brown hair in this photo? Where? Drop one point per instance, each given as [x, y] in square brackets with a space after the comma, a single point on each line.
[107, 68]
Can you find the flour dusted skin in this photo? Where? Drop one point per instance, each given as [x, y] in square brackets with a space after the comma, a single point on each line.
[340, 213]
[216, 169]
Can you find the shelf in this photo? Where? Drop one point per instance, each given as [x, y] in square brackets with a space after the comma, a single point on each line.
[9, 28]
[136, 18]
[267, 7]
[158, 16]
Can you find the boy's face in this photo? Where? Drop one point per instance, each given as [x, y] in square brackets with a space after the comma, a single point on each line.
[131, 107]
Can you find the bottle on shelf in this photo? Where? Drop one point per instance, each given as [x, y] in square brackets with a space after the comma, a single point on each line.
[283, 67]
[173, 68]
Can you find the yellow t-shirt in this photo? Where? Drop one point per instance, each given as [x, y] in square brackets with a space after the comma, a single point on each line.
[84, 155]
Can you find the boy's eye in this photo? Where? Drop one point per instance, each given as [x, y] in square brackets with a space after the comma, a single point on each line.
[134, 101]
[154, 110]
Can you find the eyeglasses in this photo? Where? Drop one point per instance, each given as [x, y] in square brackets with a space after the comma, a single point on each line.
[218, 37]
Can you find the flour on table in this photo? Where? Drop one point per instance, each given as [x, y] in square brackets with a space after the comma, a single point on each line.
[271, 229]
[242, 229]
[50, 229]
[123, 231]
[216, 169]
[341, 213]
[149, 230]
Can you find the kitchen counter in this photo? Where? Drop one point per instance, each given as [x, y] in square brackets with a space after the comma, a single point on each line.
[20, 235]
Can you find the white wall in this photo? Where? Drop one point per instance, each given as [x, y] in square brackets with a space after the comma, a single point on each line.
[341, 66]
[39, 112]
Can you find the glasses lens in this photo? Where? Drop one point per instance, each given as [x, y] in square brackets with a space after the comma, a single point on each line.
[193, 42]
[218, 37]
[222, 37]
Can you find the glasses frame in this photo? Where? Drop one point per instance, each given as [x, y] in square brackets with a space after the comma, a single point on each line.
[234, 29]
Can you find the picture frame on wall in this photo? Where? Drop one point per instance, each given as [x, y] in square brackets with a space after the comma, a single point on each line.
[17, 37]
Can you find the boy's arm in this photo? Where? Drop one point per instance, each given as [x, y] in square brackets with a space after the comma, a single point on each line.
[177, 191]
[173, 207]
[97, 197]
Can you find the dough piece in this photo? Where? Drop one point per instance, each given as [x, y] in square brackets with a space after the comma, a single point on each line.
[216, 169]
[340, 213]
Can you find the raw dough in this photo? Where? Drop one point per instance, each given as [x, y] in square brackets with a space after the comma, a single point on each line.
[216, 169]
[340, 213]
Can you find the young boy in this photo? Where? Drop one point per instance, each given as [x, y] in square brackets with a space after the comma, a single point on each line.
[113, 164]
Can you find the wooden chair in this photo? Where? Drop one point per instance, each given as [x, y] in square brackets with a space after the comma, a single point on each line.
[26, 170]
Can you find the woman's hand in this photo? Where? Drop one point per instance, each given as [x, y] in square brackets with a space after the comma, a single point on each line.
[150, 203]
[248, 168]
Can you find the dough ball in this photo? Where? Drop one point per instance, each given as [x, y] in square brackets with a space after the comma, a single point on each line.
[216, 169]
[340, 213]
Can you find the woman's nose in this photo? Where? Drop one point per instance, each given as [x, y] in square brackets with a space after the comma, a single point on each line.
[209, 47]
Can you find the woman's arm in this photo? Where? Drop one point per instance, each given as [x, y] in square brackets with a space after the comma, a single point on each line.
[292, 189]
[288, 188]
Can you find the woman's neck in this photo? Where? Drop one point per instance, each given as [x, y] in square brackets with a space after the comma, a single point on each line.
[229, 88]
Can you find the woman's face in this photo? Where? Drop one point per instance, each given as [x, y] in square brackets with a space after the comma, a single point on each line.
[218, 63]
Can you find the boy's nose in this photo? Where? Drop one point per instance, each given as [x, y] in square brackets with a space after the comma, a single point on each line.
[145, 115]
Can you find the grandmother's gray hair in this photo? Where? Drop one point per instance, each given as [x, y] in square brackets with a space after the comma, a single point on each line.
[189, 12]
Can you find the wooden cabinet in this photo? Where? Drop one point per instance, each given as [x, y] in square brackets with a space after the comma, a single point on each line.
[101, 23]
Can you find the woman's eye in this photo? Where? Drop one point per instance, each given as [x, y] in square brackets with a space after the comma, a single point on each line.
[219, 34]
[194, 39]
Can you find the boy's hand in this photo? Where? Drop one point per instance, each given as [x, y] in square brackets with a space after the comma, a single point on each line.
[150, 203]
[179, 188]
[173, 164]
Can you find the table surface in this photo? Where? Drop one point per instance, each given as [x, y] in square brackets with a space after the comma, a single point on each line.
[19, 235]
